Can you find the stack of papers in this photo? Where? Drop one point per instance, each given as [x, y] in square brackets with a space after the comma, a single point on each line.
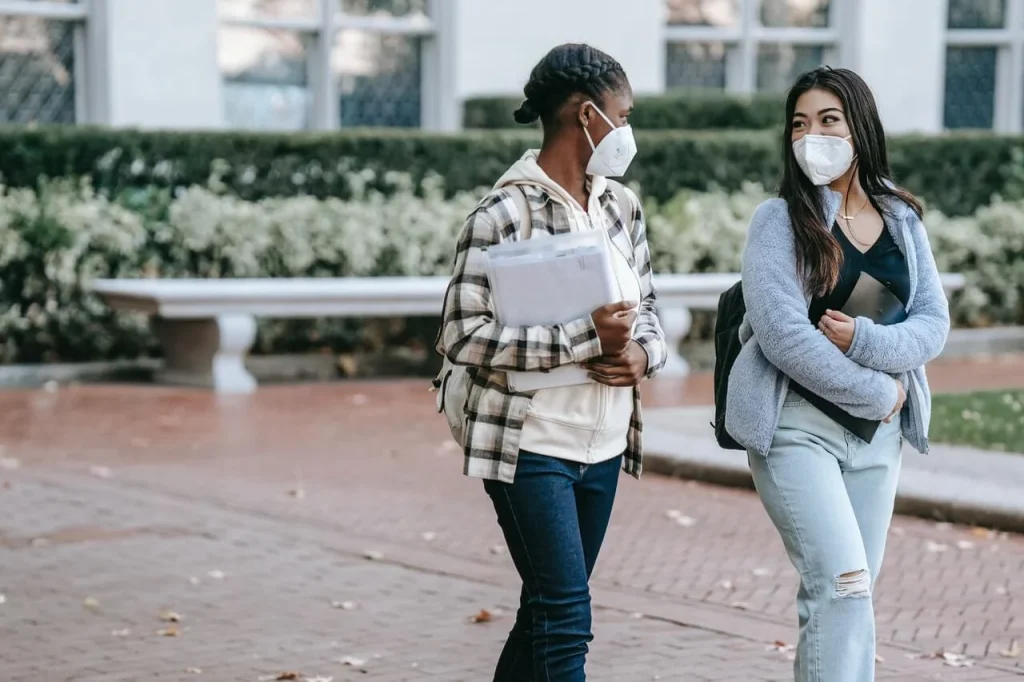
[550, 280]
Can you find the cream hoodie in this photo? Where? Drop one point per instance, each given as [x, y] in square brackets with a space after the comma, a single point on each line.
[587, 423]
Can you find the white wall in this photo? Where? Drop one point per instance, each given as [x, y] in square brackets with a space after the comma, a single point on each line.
[898, 46]
[155, 64]
[498, 43]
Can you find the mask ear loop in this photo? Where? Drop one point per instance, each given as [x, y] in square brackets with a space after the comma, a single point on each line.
[586, 131]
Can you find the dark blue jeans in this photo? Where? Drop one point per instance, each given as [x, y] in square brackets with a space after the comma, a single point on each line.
[554, 517]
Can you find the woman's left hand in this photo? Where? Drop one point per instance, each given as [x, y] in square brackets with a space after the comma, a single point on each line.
[838, 328]
[627, 368]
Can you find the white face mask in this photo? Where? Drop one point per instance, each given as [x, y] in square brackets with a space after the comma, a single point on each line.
[611, 158]
[823, 158]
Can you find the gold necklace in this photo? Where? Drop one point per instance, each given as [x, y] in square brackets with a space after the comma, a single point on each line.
[849, 223]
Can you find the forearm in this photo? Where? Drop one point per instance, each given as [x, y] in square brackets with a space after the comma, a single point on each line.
[479, 341]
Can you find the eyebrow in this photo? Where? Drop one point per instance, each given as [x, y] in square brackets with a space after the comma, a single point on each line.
[800, 114]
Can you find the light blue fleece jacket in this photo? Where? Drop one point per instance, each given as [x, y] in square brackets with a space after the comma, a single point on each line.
[779, 341]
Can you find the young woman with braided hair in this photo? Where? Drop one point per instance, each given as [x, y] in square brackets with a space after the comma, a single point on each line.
[550, 458]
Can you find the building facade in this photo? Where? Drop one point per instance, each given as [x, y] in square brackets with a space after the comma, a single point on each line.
[329, 64]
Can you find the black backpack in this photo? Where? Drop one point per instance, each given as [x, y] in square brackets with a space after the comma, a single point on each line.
[731, 309]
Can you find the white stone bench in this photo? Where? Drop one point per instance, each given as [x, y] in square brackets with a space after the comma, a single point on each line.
[207, 326]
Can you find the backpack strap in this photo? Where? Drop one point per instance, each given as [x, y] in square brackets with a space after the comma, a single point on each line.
[625, 205]
[525, 214]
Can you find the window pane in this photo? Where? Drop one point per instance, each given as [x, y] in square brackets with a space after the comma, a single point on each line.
[806, 13]
[970, 87]
[703, 12]
[265, 79]
[696, 65]
[393, 8]
[378, 78]
[976, 14]
[778, 66]
[274, 9]
[37, 68]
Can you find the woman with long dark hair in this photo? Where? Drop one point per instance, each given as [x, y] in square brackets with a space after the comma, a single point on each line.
[550, 458]
[844, 308]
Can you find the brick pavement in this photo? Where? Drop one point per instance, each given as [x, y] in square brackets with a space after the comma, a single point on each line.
[202, 483]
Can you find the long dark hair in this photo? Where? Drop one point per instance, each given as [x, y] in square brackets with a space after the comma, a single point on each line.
[564, 71]
[818, 253]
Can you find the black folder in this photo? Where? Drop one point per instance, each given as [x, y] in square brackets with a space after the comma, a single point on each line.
[874, 300]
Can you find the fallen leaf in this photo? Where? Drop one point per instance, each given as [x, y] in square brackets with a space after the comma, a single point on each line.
[216, 575]
[353, 662]
[980, 532]
[170, 617]
[948, 658]
[781, 646]
[429, 536]
[169, 632]
[372, 555]
[194, 671]
[936, 547]
[484, 616]
[343, 605]
[121, 633]
[91, 603]
[101, 472]
[10, 463]
[956, 660]
[1013, 652]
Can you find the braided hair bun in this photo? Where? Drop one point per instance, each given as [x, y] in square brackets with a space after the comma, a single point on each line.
[566, 70]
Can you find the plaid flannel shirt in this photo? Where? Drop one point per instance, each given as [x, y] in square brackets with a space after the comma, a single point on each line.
[471, 336]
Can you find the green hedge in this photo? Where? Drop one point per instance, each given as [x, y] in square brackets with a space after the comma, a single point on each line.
[675, 111]
[953, 173]
[54, 242]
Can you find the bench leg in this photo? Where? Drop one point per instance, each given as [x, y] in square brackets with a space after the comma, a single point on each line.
[675, 322]
[207, 353]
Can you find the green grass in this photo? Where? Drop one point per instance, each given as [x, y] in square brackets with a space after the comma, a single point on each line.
[992, 420]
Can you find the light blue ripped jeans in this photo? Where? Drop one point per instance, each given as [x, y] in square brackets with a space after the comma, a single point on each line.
[831, 496]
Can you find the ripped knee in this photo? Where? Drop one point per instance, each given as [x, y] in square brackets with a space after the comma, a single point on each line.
[853, 584]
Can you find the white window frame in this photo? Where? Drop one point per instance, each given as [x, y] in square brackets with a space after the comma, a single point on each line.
[320, 32]
[78, 15]
[1009, 43]
[744, 40]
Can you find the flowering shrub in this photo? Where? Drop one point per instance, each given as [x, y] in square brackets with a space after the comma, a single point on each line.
[55, 241]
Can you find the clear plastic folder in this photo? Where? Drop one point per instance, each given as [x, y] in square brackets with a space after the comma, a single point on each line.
[547, 281]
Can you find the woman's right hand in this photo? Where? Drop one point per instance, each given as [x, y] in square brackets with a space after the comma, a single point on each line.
[900, 401]
[614, 324]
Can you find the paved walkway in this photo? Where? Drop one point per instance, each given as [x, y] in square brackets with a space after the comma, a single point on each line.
[253, 519]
